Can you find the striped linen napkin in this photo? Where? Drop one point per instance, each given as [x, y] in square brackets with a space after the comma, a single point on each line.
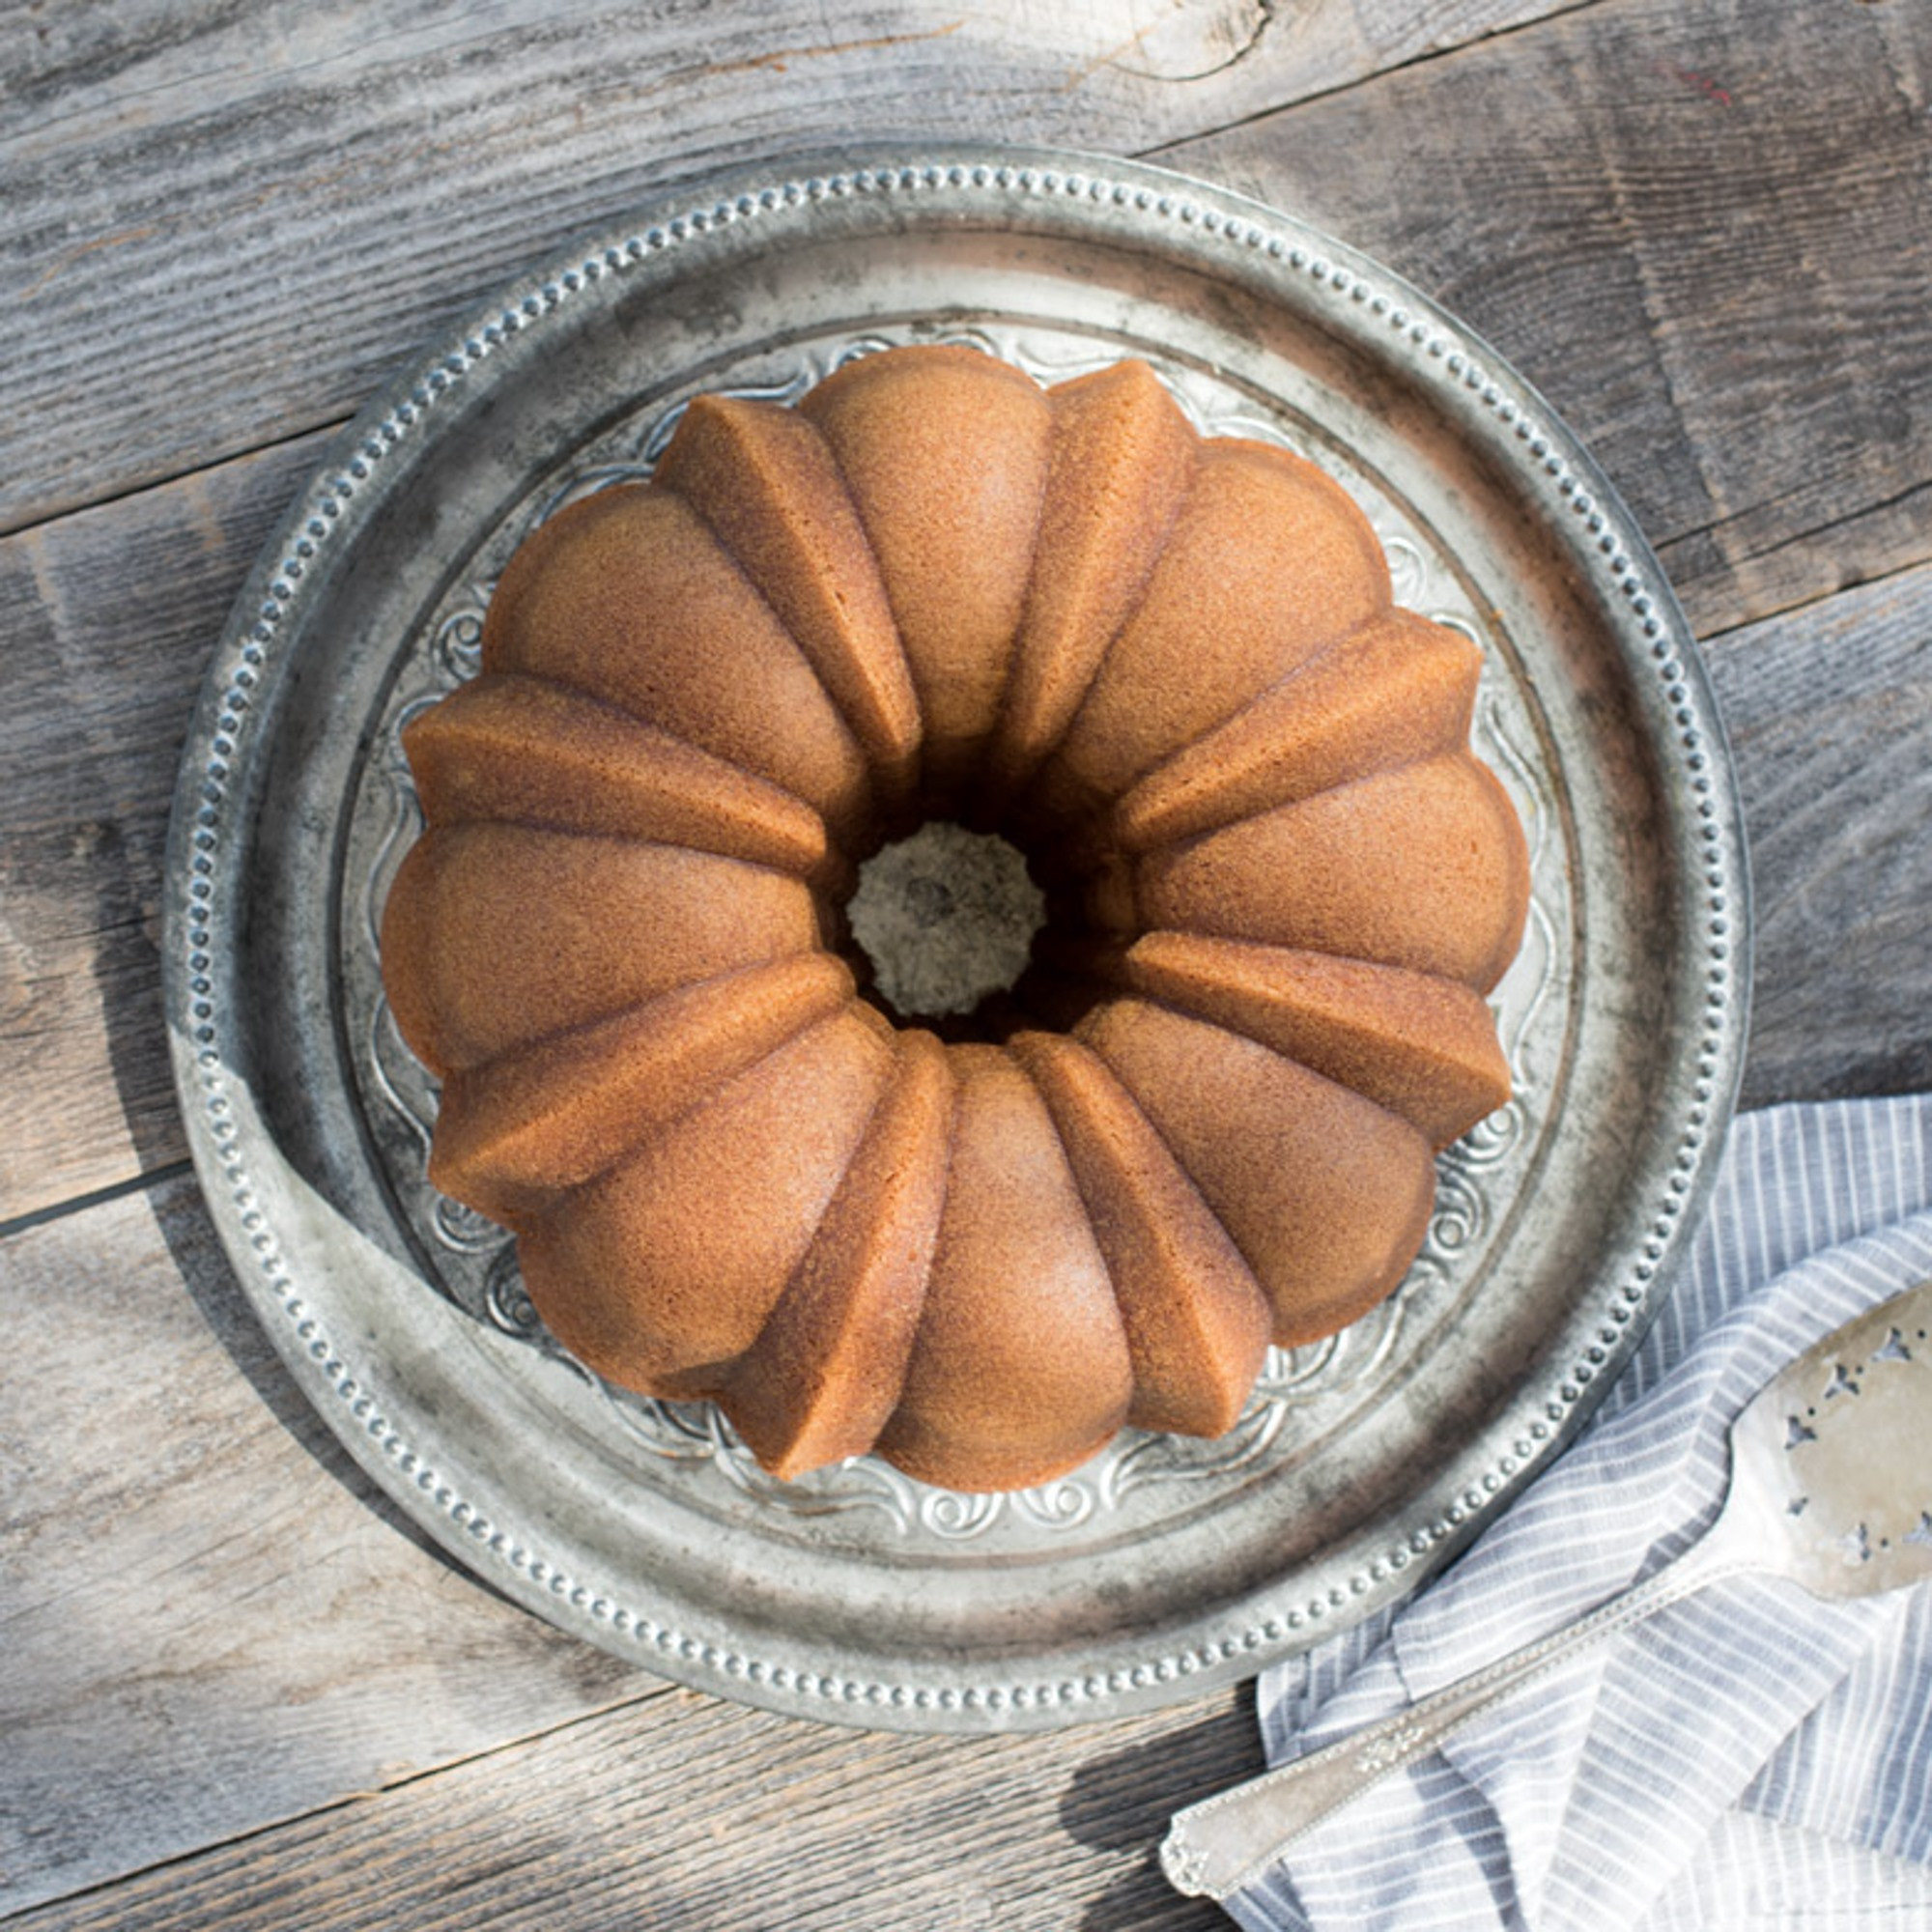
[1748, 1758]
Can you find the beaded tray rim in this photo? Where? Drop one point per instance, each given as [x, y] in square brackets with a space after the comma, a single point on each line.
[265, 1227]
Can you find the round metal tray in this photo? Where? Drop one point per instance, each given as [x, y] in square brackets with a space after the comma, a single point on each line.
[1163, 1565]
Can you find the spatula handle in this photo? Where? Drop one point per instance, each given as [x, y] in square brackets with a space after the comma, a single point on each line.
[1226, 1841]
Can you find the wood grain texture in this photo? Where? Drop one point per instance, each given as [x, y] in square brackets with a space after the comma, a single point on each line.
[684, 1814]
[107, 620]
[1829, 712]
[1701, 232]
[225, 223]
[211, 1619]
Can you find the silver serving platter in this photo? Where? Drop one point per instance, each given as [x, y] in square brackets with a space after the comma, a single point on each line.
[1164, 1566]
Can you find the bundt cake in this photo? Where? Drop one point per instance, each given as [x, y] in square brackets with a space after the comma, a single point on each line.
[1279, 884]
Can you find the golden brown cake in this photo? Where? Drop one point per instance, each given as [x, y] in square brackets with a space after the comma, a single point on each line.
[1169, 670]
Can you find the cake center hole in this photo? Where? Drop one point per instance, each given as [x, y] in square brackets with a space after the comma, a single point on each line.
[946, 918]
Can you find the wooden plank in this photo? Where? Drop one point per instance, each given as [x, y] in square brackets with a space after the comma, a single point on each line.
[685, 1814]
[107, 620]
[1701, 233]
[210, 1621]
[1830, 712]
[223, 224]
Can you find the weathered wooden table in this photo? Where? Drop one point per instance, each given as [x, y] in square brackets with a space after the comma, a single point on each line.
[236, 1689]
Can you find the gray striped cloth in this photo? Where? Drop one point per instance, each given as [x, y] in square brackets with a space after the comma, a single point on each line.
[1750, 1758]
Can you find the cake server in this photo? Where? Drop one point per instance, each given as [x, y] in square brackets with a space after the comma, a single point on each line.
[1830, 1486]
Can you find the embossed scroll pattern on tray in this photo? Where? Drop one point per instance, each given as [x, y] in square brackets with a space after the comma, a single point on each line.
[474, 1260]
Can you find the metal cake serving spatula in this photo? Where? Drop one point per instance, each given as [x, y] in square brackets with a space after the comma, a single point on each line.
[1830, 1486]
